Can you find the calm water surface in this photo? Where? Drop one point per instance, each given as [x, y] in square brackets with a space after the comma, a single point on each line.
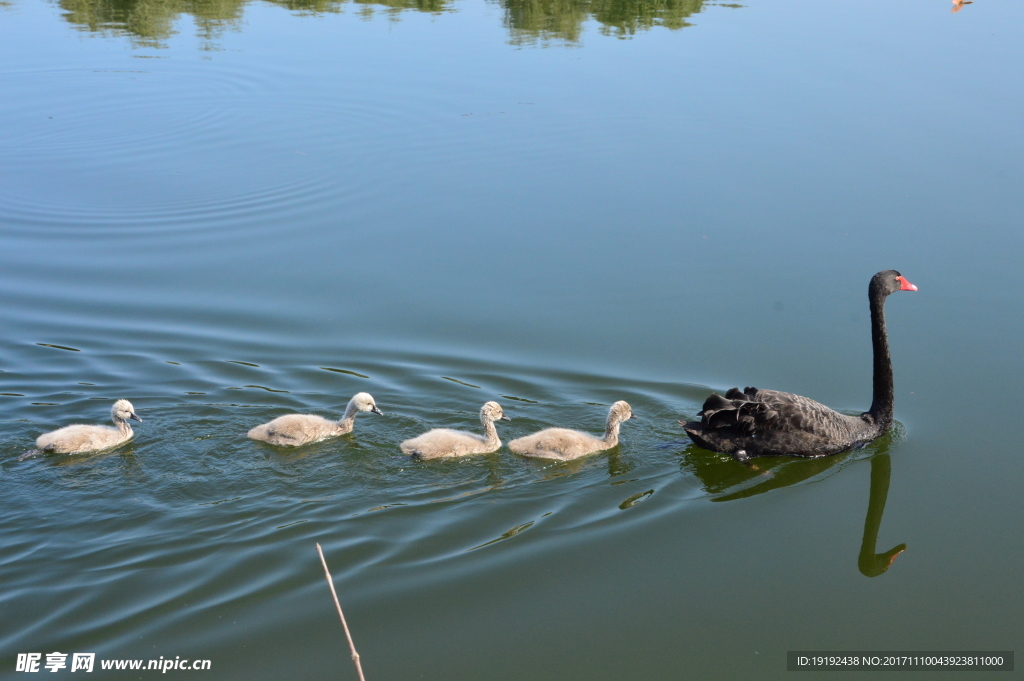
[229, 211]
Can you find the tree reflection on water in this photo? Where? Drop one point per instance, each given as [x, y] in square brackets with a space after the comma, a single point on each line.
[531, 21]
[150, 23]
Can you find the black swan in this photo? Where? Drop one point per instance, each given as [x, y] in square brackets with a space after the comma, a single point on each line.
[772, 423]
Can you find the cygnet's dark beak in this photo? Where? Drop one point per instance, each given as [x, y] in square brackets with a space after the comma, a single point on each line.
[377, 411]
[505, 418]
[632, 415]
[135, 417]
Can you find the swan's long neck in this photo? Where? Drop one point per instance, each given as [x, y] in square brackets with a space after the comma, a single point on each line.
[122, 425]
[348, 421]
[883, 399]
[490, 432]
[611, 431]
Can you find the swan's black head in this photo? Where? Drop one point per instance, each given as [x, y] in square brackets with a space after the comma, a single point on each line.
[889, 281]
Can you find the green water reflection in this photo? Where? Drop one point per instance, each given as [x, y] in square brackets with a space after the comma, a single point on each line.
[150, 23]
[530, 21]
[722, 477]
[872, 564]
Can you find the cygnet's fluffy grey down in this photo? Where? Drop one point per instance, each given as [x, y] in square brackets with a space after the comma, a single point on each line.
[298, 429]
[564, 444]
[85, 438]
[441, 443]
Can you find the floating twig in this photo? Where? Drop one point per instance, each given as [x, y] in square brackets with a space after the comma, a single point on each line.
[348, 634]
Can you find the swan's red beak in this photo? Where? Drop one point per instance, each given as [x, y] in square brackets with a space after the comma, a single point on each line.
[894, 557]
[905, 285]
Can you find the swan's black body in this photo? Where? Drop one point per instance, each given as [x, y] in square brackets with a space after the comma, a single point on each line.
[772, 423]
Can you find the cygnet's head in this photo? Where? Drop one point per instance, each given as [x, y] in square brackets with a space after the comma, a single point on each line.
[364, 402]
[620, 412]
[123, 410]
[491, 411]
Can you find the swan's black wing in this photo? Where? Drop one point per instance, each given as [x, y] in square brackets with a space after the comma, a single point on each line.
[756, 422]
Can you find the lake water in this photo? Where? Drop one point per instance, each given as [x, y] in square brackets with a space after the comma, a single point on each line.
[233, 210]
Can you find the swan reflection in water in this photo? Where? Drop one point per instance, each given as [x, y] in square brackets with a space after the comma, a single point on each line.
[872, 564]
[722, 476]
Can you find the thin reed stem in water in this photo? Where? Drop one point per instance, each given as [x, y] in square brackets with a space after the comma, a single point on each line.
[348, 634]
